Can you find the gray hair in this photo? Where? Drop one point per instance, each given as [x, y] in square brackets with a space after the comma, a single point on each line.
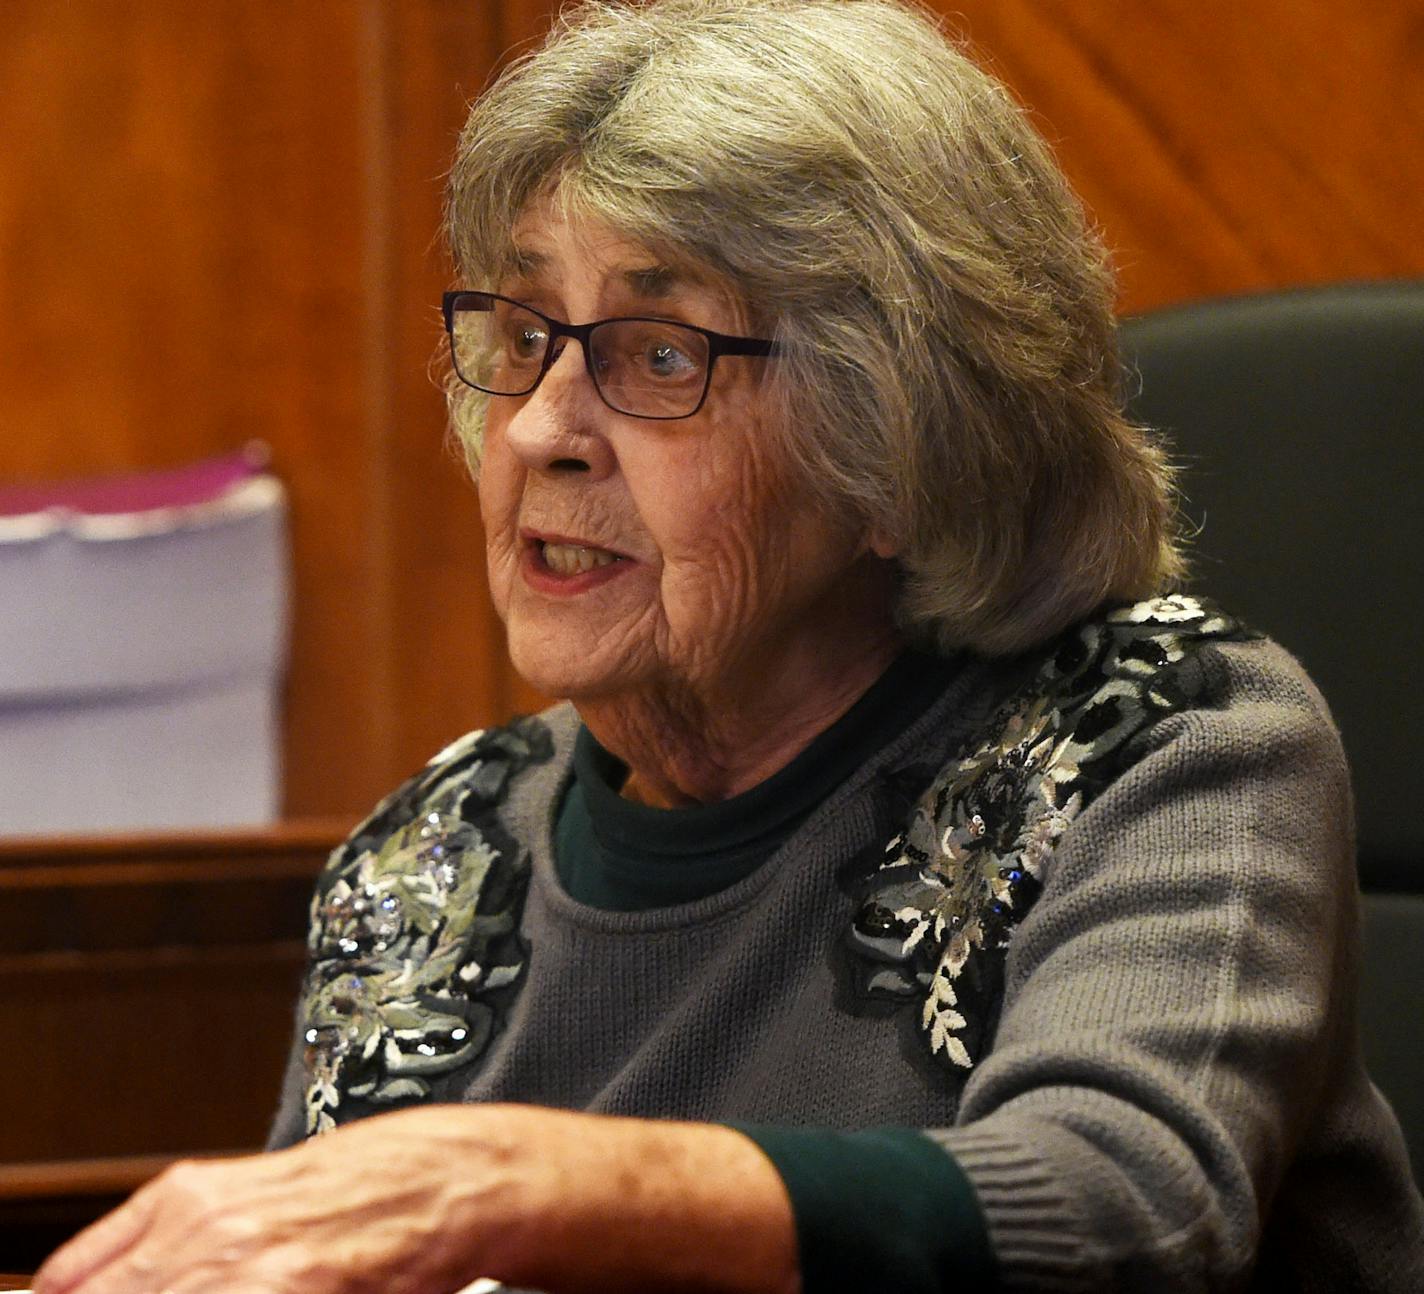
[884, 209]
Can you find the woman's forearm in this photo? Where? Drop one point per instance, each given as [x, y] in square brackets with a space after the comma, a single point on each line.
[615, 1204]
[430, 1198]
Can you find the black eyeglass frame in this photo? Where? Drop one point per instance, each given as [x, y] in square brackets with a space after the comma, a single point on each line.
[718, 343]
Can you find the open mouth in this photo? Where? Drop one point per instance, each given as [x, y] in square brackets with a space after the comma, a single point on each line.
[561, 563]
[574, 559]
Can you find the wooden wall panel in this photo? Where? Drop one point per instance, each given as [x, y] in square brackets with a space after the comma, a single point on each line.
[450, 670]
[523, 24]
[1227, 148]
[220, 221]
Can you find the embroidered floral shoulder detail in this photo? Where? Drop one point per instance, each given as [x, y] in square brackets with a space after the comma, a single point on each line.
[414, 943]
[941, 908]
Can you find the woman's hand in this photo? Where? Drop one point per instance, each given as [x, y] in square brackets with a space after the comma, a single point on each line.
[426, 1200]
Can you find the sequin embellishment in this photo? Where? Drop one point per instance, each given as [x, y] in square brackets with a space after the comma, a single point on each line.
[940, 909]
[414, 945]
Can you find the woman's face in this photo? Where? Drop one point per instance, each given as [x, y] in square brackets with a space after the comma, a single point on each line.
[627, 554]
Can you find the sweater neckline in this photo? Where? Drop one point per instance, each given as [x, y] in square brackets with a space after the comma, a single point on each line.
[617, 854]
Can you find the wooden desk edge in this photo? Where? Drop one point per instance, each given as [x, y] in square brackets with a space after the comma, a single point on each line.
[116, 1176]
[297, 835]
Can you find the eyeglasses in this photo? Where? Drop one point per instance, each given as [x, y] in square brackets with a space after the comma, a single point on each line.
[647, 368]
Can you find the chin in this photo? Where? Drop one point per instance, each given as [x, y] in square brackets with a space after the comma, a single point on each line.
[570, 651]
[568, 671]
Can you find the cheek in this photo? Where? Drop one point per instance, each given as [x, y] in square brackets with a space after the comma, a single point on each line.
[722, 519]
[500, 486]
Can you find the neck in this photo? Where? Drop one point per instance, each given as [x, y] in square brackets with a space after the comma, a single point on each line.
[698, 745]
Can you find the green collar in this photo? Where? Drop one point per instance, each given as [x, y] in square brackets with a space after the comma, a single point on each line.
[621, 856]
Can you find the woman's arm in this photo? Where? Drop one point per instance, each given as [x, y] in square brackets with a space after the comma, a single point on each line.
[429, 1199]
[1178, 1017]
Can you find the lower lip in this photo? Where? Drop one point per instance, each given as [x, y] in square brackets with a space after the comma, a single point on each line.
[539, 576]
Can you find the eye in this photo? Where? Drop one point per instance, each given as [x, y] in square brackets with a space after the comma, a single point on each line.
[652, 352]
[527, 341]
[633, 358]
[664, 358]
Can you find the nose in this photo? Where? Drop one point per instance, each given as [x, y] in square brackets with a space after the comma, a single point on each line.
[559, 428]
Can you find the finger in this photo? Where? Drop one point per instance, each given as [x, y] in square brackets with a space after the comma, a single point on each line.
[131, 1272]
[96, 1247]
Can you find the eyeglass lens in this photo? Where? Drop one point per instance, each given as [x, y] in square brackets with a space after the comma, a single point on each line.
[646, 367]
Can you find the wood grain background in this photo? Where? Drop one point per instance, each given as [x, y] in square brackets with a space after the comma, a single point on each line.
[218, 222]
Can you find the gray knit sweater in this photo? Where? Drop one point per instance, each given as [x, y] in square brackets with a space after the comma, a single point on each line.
[1090, 922]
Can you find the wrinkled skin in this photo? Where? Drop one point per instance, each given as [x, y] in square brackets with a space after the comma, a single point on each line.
[744, 620]
[425, 1201]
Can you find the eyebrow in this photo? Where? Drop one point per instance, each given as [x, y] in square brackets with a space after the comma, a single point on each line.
[655, 282]
[524, 264]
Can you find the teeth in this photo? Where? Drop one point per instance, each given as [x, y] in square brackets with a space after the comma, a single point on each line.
[574, 559]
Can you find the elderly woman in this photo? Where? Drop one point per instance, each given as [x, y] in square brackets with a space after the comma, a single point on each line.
[912, 894]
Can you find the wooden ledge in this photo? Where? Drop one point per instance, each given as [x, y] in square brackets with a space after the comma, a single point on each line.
[117, 1176]
[296, 848]
[153, 898]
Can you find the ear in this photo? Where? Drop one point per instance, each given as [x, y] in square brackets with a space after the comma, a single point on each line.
[879, 543]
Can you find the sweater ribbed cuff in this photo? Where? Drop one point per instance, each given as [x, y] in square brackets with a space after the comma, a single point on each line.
[879, 1209]
[1035, 1230]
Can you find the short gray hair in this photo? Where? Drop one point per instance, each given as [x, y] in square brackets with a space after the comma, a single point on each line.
[884, 209]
